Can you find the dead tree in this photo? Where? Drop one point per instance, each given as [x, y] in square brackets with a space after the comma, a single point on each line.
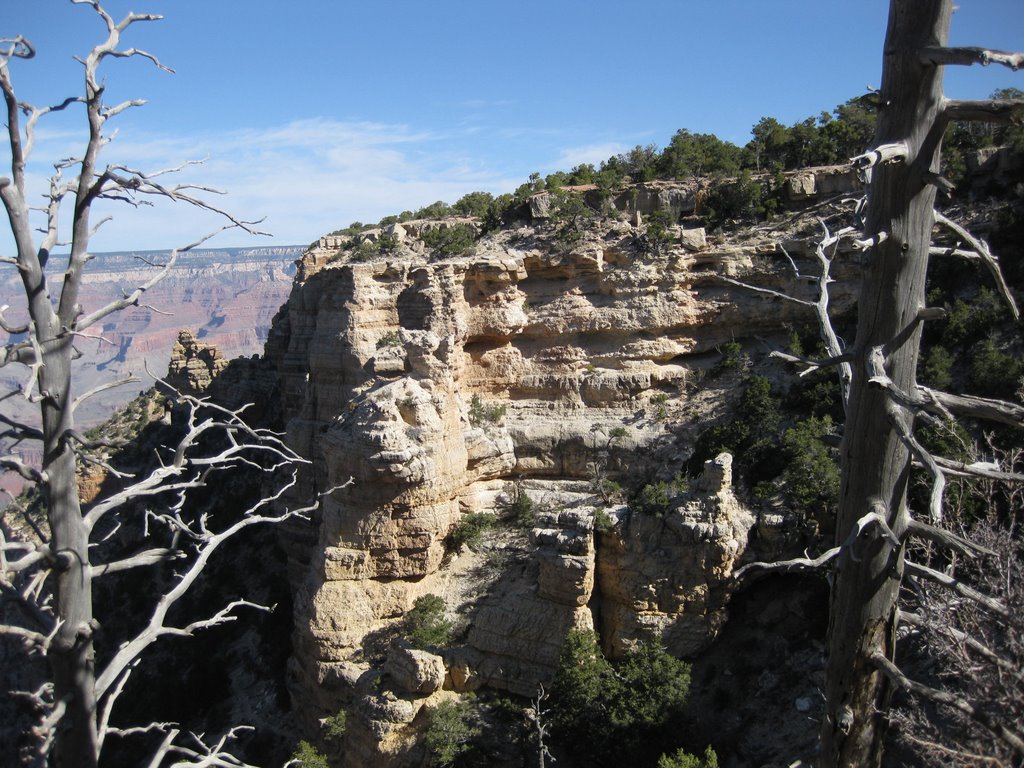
[885, 401]
[50, 575]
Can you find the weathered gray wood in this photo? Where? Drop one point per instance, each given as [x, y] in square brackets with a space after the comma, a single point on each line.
[875, 459]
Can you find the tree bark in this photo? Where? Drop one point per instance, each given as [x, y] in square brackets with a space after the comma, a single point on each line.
[875, 460]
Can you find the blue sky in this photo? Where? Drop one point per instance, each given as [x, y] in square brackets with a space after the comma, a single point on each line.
[316, 113]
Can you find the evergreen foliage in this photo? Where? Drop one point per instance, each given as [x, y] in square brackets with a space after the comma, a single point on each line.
[481, 415]
[752, 436]
[810, 480]
[474, 204]
[450, 732]
[682, 759]
[621, 714]
[470, 530]
[457, 240]
[656, 499]
[521, 512]
[308, 756]
[425, 624]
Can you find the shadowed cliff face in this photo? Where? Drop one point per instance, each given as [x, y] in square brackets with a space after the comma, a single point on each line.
[444, 388]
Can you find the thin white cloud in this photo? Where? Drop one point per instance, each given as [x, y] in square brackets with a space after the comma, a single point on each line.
[594, 154]
[307, 177]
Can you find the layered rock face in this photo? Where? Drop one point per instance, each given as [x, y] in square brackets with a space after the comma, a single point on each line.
[427, 390]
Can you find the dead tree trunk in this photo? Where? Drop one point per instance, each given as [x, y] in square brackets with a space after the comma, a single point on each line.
[875, 458]
[76, 703]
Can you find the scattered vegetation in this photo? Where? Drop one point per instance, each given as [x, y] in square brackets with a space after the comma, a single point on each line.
[470, 530]
[389, 339]
[604, 524]
[658, 234]
[480, 414]
[571, 217]
[810, 480]
[733, 358]
[682, 759]
[659, 405]
[522, 512]
[657, 498]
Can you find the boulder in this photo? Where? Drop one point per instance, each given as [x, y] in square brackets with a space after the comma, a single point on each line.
[415, 671]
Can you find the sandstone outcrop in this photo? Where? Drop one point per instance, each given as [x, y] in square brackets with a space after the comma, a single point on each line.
[426, 390]
[193, 364]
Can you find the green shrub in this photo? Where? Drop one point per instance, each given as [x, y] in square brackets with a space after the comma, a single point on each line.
[521, 512]
[609, 490]
[743, 198]
[308, 756]
[480, 414]
[457, 240]
[934, 369]
[658, 403]
[387, 244]
[389, 339]
[652, 499]
[469, 531]
[335, 726]
[571, 216]
[657, 498]
[474, 204]
[611, 715]
[994, 372]
[604, 524]
[733, 358]
[751, 436]
[364, 250]
[969, 319]
[436, 210]
[811, 478]
[657, 235]
[450, 732]
[425, 625]
[683, 759]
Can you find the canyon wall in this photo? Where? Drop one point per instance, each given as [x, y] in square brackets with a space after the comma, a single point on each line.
[428, 390]
[225, 297]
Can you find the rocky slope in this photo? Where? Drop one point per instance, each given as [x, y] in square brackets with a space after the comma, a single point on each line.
[430, 389]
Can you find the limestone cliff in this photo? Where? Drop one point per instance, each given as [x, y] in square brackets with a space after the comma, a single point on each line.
[425, 389]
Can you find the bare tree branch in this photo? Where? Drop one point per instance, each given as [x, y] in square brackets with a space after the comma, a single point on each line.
[16, 464]
[147, 558]
[130, 379]
[978, 470]
[962, 637]
[795, 565]
[943, 403]
[972, 710]
[884, 153]
[156, 628]
[199, 754]
[947, 539]
[991, 262]
[924, 572]
[966, 56]
[981, 111]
